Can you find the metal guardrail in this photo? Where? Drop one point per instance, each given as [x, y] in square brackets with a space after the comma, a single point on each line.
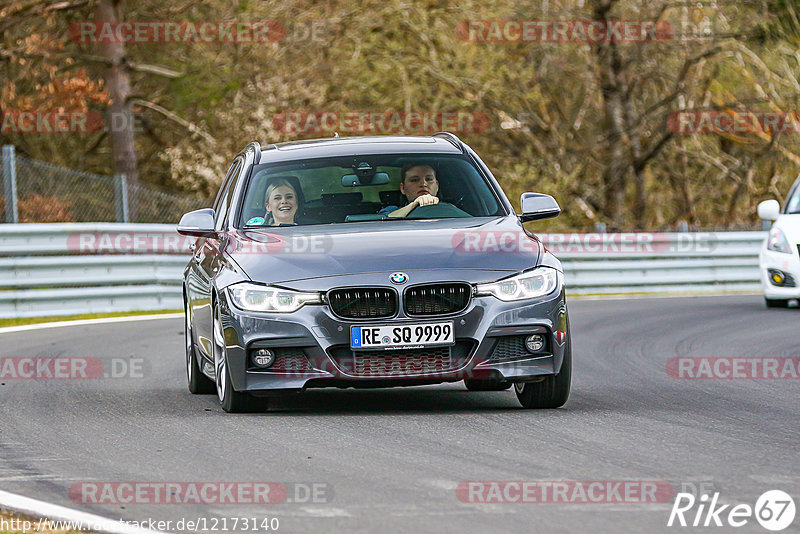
[662, 263]
[77, 268]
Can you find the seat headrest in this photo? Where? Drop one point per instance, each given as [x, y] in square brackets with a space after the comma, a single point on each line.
[342, 198]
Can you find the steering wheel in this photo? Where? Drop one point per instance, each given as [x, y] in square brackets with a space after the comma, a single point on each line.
[435, 211]
[457, 203]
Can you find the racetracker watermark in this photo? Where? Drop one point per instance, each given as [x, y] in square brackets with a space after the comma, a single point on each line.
[128, 243]
[386, 364]
[160, 31]
[565, 491]
[50, 122]
[733, 122]
[99, 524]
[78, 122]
[201, 492]
[71, 368]
[732, 368]
[493, 241]
[562, 31]
[380, 122]
[253, 242]
[259, 242]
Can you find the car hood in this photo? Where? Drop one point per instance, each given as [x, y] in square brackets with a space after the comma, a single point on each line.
[493, 247]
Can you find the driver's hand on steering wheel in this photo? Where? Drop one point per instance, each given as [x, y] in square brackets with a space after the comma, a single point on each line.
[426, 200]
[422, 200]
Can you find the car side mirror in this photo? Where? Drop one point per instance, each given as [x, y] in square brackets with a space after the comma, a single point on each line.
[537, 206]
[769, 210]
[198, 223]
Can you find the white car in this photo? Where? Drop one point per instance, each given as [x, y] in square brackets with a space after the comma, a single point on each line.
[779, 259]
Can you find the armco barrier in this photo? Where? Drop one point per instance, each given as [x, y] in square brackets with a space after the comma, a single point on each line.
[665, 263]
[66, 269]
[49, 270]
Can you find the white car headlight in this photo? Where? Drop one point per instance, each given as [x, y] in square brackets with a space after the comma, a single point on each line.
[536, 283]
[777, 241]
[253, 297]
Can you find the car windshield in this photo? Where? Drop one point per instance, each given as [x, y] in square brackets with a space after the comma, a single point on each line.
[793, 203]
[366, 188]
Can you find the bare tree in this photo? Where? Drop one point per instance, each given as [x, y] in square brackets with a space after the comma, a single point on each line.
[120, 112]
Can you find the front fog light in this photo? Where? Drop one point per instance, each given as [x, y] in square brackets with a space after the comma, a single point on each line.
[263, 358]
[780, 278]
[534, 343]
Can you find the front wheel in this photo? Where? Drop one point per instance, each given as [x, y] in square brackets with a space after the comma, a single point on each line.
[232, 401]
[776, 303]
[553, 391]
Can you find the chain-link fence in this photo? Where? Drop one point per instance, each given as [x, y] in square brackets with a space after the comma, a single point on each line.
[49, 193]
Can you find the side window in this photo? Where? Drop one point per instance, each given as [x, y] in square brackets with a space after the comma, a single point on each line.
[224, 199]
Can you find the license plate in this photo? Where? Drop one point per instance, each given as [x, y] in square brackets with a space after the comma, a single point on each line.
[402, 336]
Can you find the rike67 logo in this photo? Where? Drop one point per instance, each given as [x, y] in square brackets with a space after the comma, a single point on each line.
[774, 510]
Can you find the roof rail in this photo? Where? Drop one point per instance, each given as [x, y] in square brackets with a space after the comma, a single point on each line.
[256, 148]
[454, 140]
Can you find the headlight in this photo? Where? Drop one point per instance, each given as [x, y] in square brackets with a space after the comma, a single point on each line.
[777, 241]
[536, 283]
[253, 297]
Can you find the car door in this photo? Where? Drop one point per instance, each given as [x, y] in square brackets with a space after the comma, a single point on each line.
[205, 262]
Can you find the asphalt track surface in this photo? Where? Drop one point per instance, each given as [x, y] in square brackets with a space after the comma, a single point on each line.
[394, 457]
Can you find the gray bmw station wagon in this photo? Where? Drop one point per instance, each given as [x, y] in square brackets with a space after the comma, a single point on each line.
[371, 262]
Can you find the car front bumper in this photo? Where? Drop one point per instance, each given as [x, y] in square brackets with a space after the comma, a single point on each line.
[786, 263]
[312, 347]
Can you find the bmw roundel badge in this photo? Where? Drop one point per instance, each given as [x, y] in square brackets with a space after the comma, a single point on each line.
[399, 278]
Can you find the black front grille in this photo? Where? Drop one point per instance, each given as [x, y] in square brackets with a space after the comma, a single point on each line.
[437, 299]
[363, 302]
[400, 363]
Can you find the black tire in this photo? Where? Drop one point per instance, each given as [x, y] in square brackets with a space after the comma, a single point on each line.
[232, 401]
[199, 384]
[553, 391]
[776, 303]
[486, 385]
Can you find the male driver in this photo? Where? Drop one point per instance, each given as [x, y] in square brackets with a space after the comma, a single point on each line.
[419, 185]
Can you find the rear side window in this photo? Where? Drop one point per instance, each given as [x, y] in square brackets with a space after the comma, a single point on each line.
[226, 193]
[223, 187]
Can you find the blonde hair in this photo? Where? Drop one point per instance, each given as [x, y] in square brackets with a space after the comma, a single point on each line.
[269, 219]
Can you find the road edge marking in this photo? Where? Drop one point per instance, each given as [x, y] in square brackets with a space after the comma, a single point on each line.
[82, 322]
[33, 507]
[622, 296]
